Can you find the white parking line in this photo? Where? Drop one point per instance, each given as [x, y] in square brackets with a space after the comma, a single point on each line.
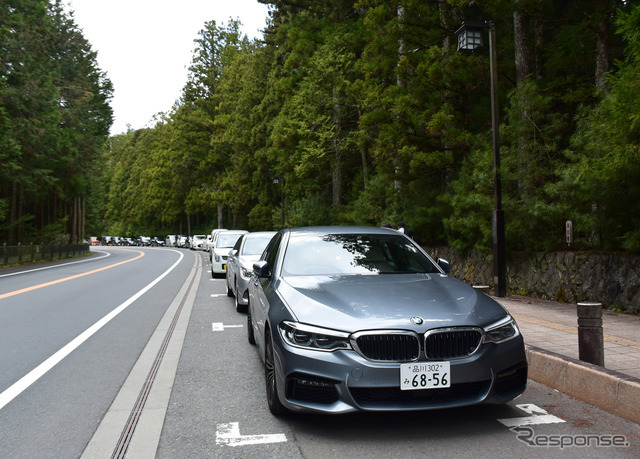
[219, 326]
[538, 416]
[229, 434]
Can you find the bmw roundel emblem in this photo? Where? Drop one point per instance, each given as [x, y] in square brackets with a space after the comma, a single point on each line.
[417, 320]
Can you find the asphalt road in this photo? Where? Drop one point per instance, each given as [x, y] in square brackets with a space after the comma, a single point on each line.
[138, 352]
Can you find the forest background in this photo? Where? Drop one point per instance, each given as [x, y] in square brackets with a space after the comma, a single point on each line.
[345, 112]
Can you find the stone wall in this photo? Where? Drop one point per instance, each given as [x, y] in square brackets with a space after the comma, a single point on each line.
[612, 279]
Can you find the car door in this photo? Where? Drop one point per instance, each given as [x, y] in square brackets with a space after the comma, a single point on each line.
[259, 287]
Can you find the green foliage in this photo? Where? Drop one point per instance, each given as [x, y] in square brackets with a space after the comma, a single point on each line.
[369, 114]
[601, 183]
[54, 116]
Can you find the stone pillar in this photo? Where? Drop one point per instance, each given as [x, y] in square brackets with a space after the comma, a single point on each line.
[590, 333]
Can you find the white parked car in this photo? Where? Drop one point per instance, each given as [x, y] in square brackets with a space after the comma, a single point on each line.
[182, 241]
[197, 241]
[222, 245]
[212, 238]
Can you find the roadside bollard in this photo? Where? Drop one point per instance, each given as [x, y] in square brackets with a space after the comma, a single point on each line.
[590, 334]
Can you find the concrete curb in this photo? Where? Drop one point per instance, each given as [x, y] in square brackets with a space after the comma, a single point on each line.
[606, 389]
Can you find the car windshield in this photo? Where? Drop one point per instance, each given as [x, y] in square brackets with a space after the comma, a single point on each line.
[227, 240]
[353, 254]
[255, 245]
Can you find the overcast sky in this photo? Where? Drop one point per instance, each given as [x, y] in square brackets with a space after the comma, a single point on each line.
[145, 46]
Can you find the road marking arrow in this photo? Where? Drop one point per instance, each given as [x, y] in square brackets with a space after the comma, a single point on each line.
[537, 416]
[229, 434]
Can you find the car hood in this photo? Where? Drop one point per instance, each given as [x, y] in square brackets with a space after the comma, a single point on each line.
[352, 303]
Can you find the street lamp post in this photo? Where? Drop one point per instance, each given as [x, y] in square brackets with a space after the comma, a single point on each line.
[470, 37]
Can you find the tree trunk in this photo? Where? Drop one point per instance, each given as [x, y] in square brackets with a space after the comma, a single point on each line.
[447, 20]
[539, 46]
[337, 150]
[522, 45]
[74, 220]
[605, 7]
[523, 60]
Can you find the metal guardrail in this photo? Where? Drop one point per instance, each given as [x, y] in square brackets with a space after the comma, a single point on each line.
[29, 253]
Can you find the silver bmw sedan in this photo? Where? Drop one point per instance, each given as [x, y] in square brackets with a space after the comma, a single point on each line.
[360, 318]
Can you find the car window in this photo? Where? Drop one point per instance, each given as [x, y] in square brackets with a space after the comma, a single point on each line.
[255, 245]
[270, 254]
[226, 241]
[238, 244]
[353, 254]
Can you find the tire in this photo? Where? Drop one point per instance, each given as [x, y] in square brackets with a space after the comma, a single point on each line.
[250, 335]
[275, 405]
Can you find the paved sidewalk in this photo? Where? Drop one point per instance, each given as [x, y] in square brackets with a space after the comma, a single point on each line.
[554, 327]
[550, 332]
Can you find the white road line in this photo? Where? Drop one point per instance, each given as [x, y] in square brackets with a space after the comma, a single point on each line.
[20, 386]
[537, 416]
[84, 260]
[219, 326]
[229, 434]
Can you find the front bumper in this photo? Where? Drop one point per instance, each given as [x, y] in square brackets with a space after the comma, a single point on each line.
[343, 381]
[219, 267]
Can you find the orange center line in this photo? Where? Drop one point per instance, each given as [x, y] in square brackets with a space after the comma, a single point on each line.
[65, 279]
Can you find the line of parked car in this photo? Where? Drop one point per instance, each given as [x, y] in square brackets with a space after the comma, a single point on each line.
[140, 241]
[195, 242]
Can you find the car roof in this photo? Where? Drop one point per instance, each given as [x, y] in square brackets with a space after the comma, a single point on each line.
[260, 234]
[340, 230]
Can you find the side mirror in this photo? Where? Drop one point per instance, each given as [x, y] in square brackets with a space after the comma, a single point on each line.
[444, 264]
[261, 269]
[233, 253]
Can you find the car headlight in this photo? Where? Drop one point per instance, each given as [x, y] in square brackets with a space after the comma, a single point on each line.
[314, 338]
[501, 331]
[218, 258]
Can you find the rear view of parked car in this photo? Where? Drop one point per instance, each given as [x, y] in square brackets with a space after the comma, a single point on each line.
[240, 264]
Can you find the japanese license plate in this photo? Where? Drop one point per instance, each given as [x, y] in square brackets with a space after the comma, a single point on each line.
[428, 375]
